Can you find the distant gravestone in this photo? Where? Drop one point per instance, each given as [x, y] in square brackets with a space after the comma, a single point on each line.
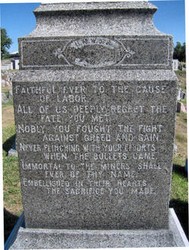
[95, 104]
[175, 64]
[178, 107]
[15, 63]
[181, 94]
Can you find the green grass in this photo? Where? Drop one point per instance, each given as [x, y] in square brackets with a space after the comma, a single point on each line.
[12, 194]
[179, 195]
[8, 132]
[183, 101]
[179, 189]
[5, 89]
[183, 117]
[179, 160]
[11, 182]
[181, 139]
[181, 75]
[182, 78]
[9, 103]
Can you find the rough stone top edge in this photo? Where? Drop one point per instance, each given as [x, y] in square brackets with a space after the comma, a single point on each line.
[94, 75]
[59, 37]
[88, 6]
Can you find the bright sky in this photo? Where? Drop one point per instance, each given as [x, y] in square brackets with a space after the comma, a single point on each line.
[18, 19]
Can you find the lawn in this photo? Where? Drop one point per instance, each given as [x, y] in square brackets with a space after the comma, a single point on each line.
[12, 195]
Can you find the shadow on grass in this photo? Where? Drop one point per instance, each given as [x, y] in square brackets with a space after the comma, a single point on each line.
[10, 143]
[180, 170]
[9, 222]
[181, 207]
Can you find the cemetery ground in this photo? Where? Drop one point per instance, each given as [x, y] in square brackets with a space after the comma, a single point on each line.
[12, 195]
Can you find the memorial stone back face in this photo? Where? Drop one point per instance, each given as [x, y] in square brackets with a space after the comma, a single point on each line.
[95, 109]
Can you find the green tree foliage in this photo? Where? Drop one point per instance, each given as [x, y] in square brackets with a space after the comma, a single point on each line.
[5, 43]
[179, 52]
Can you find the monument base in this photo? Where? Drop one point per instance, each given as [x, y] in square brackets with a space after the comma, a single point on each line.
[28, 238]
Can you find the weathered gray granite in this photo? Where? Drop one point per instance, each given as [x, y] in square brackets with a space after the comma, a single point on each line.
[117, 144]
[89, 19]
[93, 75]
[95, 108]
[59, 239]
[78, 52]
[96, 6]
[75, 35]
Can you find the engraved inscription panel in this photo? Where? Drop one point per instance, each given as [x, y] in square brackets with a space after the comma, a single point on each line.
[93, 152]
[97, 52]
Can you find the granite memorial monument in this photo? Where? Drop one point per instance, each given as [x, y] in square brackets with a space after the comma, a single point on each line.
[94, 105]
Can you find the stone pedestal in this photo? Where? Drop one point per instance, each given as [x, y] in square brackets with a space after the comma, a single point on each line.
[59, 239]
[95, 108]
